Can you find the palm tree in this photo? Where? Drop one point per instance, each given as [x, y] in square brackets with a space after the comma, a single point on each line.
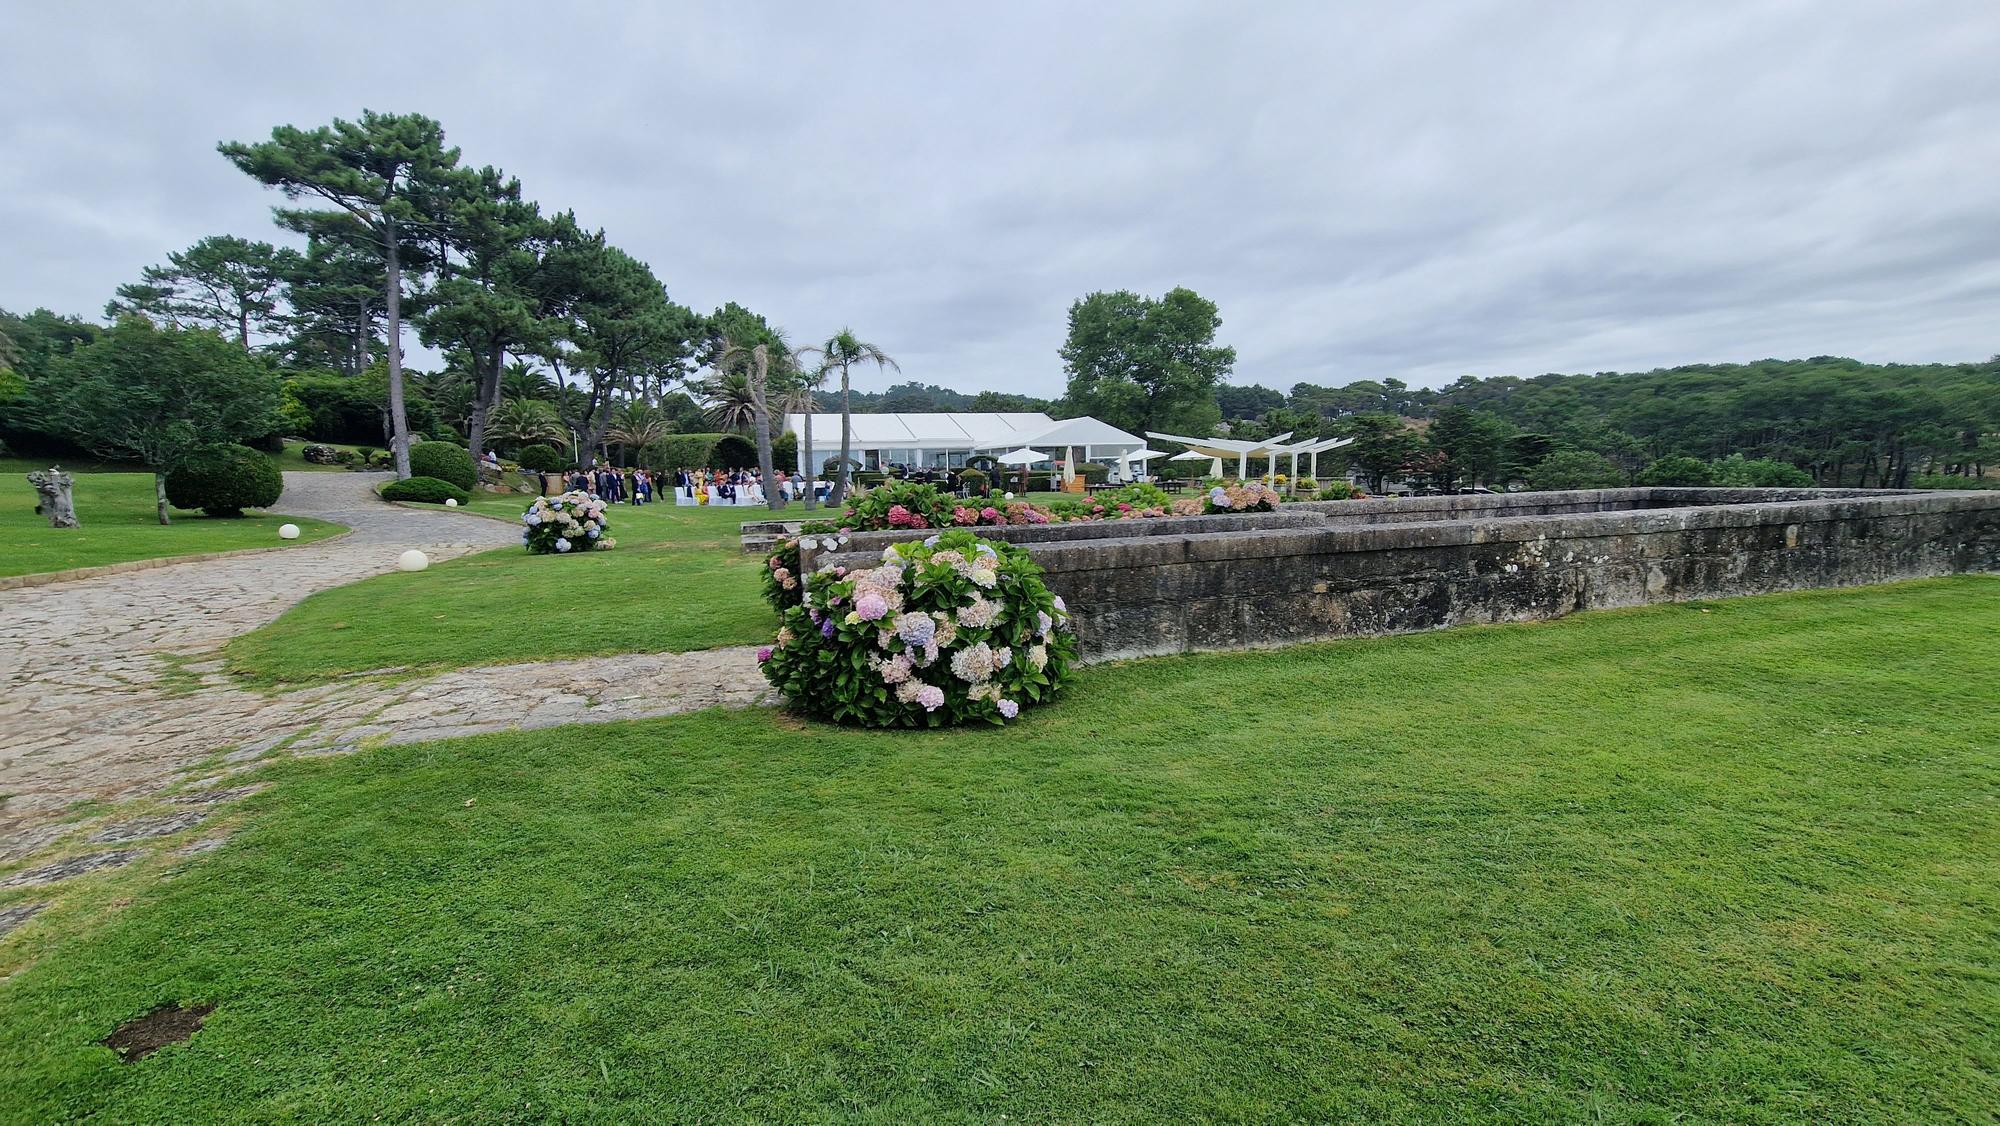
[843, 351]
[798, 398]
[756, 361]
[526, 421]
[729, 400]
[520, 381]
[634, 426]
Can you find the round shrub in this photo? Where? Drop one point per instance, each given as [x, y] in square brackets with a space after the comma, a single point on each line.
[563, 525]
[951, 630]
[541, 458]
[975, 481]
[444, 461]
[1093, 473]
[424, 490]
[1736, 472]
[1677, 471]
[224, 480]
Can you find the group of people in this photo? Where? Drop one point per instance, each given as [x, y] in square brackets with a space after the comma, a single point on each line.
[606, 483]
[740, 487]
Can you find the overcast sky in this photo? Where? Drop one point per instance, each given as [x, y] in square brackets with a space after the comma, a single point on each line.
[1366, 189]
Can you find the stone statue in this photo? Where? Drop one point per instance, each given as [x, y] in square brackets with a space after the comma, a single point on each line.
[56, 504]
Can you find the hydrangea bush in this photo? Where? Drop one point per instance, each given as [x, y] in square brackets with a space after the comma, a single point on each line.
[951, 630]
[1252, 497]
[784, 585]
[568, 523]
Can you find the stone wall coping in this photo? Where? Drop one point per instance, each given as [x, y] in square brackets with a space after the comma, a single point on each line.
[1125, 552]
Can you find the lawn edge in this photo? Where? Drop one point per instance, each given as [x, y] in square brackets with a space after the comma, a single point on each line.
[49, 578]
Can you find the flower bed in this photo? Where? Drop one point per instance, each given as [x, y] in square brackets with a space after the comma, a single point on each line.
[952, 630]
[560, 525]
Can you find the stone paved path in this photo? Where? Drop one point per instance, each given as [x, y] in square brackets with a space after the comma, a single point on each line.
[110, 688]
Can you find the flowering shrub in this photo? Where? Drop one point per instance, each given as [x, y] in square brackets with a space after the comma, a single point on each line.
[1337, 489]
[898, 504]
[1253, 497]
[784, 585]
[990, 515]
[952, 630]
[562, 524]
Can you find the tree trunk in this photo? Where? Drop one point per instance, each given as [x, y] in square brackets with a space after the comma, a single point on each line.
[160, 496]
[57, 504]
[760, 373]
[484, 397]
[846, 441]
[392, 295]
[243, 327]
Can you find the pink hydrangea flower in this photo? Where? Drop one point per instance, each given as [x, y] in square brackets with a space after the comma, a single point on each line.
[763, 654]
[931, 697]
[871, 606]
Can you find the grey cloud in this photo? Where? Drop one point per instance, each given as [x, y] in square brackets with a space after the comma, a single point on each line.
[1367, 190]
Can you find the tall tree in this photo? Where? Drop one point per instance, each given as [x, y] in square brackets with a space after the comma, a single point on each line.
[389, 173]
[840, 353]
[223, 282]
[742, 340]
[1382, 444]
[333, 294]
[157, 395]
[494, 294]
[617, 327]
[1145, 364]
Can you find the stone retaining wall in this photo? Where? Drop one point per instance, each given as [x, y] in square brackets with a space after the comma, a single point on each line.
[1173, 585]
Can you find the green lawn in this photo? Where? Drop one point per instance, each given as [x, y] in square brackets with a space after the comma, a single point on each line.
[676, 581]
[1726, 863]
[119, 524]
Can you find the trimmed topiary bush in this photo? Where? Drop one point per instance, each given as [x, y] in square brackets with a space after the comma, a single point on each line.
[1092, 472]
[951, 630]
[424, 490]
[444, 461]
[975, 481]
[563, 525]
[541, 458]
[224, 480]
[733, 451]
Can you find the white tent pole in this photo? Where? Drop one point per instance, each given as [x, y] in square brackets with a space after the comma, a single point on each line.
[1295, 471]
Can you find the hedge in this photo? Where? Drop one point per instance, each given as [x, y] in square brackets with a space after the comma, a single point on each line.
[427, 490]
[224, 480]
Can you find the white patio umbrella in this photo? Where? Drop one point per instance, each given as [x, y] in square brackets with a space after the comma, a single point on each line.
[1141, 456]
[1214, 470]
[1022, 456]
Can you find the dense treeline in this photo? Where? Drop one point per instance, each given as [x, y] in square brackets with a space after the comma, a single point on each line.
[1840, 421]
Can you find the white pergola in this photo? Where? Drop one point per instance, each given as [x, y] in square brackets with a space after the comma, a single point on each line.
[1243, 450]
[1313, 449]
[1239, 448]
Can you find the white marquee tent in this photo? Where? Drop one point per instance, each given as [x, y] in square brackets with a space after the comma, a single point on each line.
[948, 439]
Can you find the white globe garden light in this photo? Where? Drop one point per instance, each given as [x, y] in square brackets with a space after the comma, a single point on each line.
[412, 560]
[288, 531]
[451, 502]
